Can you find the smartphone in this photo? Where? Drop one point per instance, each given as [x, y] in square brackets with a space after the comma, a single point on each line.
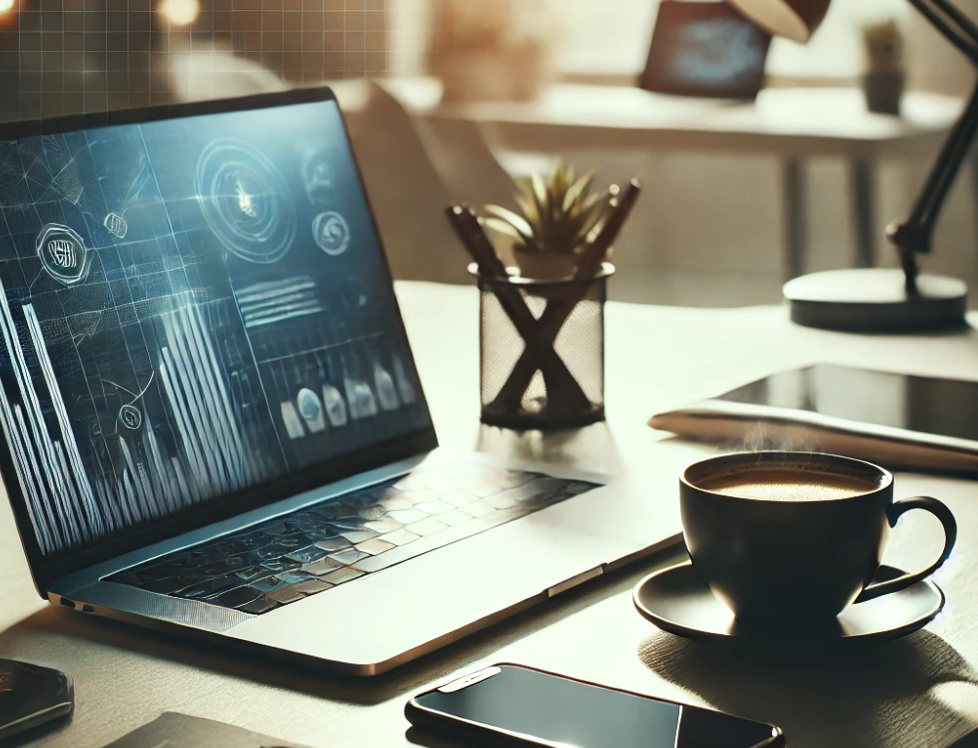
[512, 705]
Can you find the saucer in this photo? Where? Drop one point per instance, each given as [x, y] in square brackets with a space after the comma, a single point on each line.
[677, 601]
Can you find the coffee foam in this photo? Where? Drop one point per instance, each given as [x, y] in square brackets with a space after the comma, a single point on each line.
[786, 483]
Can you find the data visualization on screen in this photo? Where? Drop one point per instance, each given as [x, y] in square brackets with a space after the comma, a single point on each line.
[190, 307]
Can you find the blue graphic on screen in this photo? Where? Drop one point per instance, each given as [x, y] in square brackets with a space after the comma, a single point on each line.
[715, 51]
[189, 307]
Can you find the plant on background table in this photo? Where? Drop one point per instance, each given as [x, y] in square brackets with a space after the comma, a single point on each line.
[883, 81]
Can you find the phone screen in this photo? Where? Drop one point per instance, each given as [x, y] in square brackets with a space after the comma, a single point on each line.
[569, 713]
[947, 407]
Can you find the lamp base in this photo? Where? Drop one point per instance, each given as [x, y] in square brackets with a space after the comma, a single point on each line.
[875, 300]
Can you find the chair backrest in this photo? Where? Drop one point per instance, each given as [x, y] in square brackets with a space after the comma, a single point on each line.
[461, 153]
[195, 75]
[406, 191]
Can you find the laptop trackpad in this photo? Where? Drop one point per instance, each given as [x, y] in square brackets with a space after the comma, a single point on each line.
[362, 625]
[435, 598]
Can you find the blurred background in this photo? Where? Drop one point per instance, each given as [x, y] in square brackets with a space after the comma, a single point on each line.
[453, 99]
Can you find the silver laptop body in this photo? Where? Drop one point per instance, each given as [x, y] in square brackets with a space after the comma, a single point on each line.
[213, 420]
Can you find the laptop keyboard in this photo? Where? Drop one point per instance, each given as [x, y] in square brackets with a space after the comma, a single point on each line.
[319, 547]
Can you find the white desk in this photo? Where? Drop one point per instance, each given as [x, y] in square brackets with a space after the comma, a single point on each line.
[919, 692]
[792, 124]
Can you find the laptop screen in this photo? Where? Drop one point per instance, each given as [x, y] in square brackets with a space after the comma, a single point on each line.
[191, 307]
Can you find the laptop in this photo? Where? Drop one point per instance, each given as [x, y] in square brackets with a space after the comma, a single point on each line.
[212, 416]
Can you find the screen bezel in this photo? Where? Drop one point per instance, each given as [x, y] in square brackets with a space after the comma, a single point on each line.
[46, 569]
[422, 716]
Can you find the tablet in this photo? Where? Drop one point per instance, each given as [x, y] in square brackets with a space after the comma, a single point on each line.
[899, 420]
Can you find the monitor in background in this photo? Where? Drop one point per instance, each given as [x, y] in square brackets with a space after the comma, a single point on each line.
[705, 49]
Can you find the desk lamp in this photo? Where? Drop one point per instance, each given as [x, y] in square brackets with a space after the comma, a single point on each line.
[877, 299]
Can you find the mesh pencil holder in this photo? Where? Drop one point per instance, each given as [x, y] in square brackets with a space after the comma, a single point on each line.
[542, 350]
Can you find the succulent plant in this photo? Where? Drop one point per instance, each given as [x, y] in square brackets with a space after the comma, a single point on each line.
[883, 43]
[559, 214]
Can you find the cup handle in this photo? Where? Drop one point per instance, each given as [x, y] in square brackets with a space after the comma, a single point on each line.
[893, 513]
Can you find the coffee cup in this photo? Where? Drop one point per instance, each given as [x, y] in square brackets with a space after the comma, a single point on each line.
[793, 538]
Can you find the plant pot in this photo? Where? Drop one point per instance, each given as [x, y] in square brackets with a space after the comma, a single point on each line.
[884, 90]
[558, 382]
[545, 265]
[512, 74]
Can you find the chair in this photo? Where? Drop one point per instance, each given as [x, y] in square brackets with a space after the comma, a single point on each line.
[406, 190]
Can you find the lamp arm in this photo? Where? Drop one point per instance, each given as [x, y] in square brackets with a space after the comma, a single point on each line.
[915, 234]
[965, 42]
[956, 15]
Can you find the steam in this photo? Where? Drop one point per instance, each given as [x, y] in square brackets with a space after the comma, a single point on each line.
[765, 436]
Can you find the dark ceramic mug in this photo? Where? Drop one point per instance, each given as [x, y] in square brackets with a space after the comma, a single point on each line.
[790, 562]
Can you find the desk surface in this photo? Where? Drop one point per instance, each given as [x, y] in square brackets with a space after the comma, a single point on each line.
[811, 120]
[919, 691]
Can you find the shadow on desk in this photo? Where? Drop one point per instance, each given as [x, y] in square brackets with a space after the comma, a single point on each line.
[429, 740]
[82, 639]
[825, 691]
[590, 448]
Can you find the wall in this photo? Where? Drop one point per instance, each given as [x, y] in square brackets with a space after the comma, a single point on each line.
[940, 66]
[71, 56]
[68, 56]
[736, 256]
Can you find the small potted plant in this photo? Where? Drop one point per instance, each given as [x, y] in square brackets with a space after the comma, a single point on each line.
[493, 50]
[884, 78]
[559, 215]
[541, 324]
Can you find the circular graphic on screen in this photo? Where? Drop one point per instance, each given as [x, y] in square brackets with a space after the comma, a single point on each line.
[116, 225]
[719, 50]
[310, 406]
[246, 201]
[317, 174]
[131, 417]
[63, 254]
[331, 233]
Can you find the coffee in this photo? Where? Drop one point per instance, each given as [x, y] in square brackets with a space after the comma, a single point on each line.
[807, 545]
[786, 484]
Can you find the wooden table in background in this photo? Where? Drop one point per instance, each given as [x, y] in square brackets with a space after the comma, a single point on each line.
[792, 124]
[921, 691]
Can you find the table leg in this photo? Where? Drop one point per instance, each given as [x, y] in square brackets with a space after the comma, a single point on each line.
[792, 177]
[972, 166]
[861, 180]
